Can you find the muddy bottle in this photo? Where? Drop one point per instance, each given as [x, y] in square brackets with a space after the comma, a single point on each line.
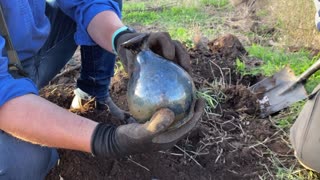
[156, 83]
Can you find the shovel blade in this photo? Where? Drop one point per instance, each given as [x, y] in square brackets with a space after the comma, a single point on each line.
[270, 92]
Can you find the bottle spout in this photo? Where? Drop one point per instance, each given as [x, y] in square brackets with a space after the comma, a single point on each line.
[136, 44]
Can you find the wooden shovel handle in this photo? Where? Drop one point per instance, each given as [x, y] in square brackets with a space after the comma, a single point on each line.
[304, 76]
[311, 70]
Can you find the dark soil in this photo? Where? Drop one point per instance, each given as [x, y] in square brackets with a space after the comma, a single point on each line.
[223, 146]
[241, 100]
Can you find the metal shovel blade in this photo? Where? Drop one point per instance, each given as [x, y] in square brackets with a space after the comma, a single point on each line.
[273, 93]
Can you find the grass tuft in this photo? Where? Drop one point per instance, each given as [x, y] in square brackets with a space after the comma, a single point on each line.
[215, 3]
[118, 67]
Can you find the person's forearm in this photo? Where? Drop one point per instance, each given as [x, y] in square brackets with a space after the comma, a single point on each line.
[39, 121]
[102, 27]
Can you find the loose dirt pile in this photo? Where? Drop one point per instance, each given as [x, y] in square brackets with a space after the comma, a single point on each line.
[225, 145]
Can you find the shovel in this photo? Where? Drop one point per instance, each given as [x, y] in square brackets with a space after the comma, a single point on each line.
[282, 89]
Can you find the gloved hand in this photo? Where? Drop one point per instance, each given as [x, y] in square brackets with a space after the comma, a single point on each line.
[109, 141]
[161, 44]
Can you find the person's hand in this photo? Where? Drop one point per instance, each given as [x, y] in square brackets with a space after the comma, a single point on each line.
[160, 43]
[109, 141]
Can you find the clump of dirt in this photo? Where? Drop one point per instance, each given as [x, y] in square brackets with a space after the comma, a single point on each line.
[205, 68]
[228, 47]
[218, 62]
[241, 100]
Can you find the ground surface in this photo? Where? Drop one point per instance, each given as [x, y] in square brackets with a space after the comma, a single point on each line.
[229, 142]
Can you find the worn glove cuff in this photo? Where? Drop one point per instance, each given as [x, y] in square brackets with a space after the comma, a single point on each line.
[103, 142]
[117, 34]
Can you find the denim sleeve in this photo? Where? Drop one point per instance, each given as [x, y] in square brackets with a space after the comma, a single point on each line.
[10, 87]
[83, 11]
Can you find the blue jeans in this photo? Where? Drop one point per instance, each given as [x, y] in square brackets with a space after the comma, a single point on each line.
[22, 160]
[97, 64]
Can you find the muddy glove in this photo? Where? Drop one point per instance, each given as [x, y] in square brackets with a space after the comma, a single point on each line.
[109, 141]
[160, 43]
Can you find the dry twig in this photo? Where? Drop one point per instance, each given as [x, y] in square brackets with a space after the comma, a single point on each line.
[189, 156]
[221, 72]
[138, 164]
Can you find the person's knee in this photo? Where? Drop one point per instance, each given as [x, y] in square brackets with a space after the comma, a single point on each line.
[306, 147]
[21, 160]
[304, 134]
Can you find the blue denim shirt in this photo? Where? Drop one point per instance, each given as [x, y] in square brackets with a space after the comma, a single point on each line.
[29, 29]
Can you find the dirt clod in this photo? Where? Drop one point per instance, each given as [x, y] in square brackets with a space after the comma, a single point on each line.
[228, 47]
[241, 100]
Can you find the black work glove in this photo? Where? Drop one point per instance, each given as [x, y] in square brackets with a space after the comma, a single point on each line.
[111, 141]
[160, 43]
